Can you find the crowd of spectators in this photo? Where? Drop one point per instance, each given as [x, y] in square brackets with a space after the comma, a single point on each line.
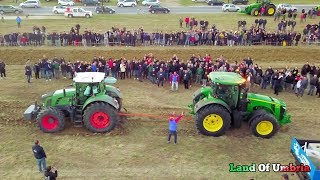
[197, 33]
[194, 71]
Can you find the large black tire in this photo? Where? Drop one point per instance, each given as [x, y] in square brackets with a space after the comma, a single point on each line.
[255, 114]
[51, 120]
[100, 117]
[211, 114]
[237, 119]
[254, 12]
[270, 10]
[264, 125]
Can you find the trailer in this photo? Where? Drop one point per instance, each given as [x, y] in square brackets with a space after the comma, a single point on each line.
[307, 152]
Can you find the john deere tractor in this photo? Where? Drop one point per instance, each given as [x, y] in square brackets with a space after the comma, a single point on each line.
[227, 103]
[254, 9]
[90, 102]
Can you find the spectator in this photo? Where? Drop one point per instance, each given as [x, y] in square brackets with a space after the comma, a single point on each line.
[174, 81]
[51, 173]
[18, 20]
[2, 69]
[303, 86]
[173, 121]
[122, 70]
[40, 155]
[160, 77]
[180, 22]
[186, 79]
[28, 71]
[313, 84]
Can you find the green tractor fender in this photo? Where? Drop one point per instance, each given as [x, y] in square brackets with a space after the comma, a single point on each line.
[101, 98]
[114, 90]
[205, 101]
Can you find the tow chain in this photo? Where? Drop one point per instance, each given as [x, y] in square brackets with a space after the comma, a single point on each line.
[187, 117]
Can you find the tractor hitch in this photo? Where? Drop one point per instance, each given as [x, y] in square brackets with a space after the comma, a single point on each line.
[31, 112]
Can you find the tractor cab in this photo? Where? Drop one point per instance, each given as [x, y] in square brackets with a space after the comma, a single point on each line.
[227, 87]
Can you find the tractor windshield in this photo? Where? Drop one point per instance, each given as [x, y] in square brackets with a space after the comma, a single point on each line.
[228, 93]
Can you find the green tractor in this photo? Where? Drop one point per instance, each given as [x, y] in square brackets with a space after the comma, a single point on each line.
[90, 102]
[254, 9]
[227, 103]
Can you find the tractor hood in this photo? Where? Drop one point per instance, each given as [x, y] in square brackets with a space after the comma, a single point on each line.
[263, 98]
[57, 93]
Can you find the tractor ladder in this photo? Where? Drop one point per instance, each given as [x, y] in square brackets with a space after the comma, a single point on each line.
[78, 118]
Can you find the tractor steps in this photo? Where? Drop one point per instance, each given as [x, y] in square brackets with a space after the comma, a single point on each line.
[78, 117]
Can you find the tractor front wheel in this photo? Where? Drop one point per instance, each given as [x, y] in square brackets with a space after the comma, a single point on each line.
[51, 120]
[213, 120]
[100, 117]
[254, 12]
[270, 10]
[264, 125]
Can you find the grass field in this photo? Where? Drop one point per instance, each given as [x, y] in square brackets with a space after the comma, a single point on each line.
[137, 148]
[102, 23]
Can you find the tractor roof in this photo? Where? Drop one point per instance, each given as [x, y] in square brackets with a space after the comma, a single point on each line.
[89, 77]
[227, 78]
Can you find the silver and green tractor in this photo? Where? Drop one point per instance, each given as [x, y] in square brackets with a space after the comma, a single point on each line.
[227, 103]
[90, 101]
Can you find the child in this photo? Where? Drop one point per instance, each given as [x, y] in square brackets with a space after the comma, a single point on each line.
[173, 126]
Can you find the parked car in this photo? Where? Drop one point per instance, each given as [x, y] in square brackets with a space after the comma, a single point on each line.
[90, 2]
[77, 12]
[59, 9]
[230, 8]
[158, 9]
[150, 2]
[127, 3]
[244, 2]
[9, 9]
[30, 4]
[199, 0]
[102, 10]
[287, 7]
[215, 3]
[66, 2]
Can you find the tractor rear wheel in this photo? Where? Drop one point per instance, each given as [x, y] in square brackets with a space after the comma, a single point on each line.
[270, 10]
[51, 120]
[264, 125]
[254, 12]
[213, 120]
[100, 117]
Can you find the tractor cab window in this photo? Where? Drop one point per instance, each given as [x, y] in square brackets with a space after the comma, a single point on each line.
[228, 94]
[92, 89]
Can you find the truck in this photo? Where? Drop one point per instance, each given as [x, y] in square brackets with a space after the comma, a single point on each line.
[307, 152]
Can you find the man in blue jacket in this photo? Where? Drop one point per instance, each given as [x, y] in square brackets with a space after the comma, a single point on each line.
[40, 155]
[173, 121]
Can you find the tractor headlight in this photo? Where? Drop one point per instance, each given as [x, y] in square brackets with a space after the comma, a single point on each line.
[44, 95]
[118, 89]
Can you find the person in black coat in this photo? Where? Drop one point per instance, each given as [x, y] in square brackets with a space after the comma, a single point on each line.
[186, 78]
[40, 155]
[28, 72]
[2, 69]
[51, 173]
[277, 83]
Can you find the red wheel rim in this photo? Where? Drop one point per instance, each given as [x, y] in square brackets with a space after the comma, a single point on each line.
[100, 120]
[49, 122]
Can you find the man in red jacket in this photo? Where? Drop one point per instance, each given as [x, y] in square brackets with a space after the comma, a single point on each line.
[173, 122]
[187, 20]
